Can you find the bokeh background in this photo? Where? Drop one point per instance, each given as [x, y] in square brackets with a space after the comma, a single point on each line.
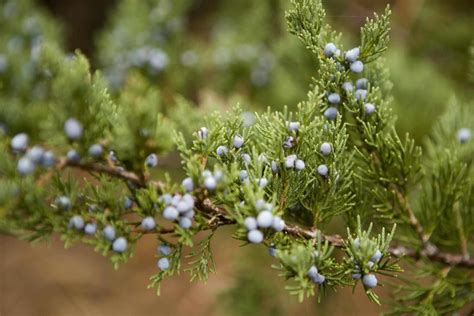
[428, 61]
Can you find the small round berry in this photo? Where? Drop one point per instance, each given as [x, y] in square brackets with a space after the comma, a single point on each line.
[243, 175]
[352, 54]
[120, 244]
[369, 108]
[323, 170]
[369, 280]
[238, 141]
[109, 232]
[148, 223]
[163, 264]
[290, 161]
[278, 224]
[48, 159]
[377, 256]
[185, 222]
[265, 219]
[362, 83]
[96, 150]
[330, 49]
[127, 203]
[319, 279]
[464, 135]
[370, 264]
[166, 199]
[183, 207]
[210, 183]
[170, 213]
[357, 67]
[255, 236]
[188, 198]
[35, 154]
[360, 94]
[164, 249]
[202, 133]
[262, 182]
[294, 126]
[299, 164]
[76, 222]
[25, 166]
[176, 199]
[73, 156]
[188, 184]
[312, 272]
[288, 142]
[90, 228]
[222, 151]
[334, 98]
[73, 129]
[63, 202]
[347, 86]
[325, 148]
[151, 161]
[189, 214]
[112, 156]
[250, 223]
[246, 158]
[330, 113]
[356, 276]
[19, 142]
[274, 166]
[260, 204]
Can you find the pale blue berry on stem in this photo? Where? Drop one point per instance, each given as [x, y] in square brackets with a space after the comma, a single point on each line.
[48, 159]
[120, 244]
[96, 151]
[330, 113]
[274, 166]
[255, 236]
[73, 156]
[325, 148]
[334, 98]
[265, 219]
[222, 151]
[377, 256]
[347, 86]
[243, 175]
[127, 203]
[25, 166]
[163, 264]
[299, 164]
[288, 142]
[202, 133]
[170, 213]
[151, 161]
[73, 129]
[250, 223]
[278, 224]
[185, 222]
[90, 228]
[290, 161]
[293, 126]
[148, 223]
[238, 141]
[262, 182]
[188, 184]
[164, 249]
[356, 276]
[323, 170]
[352, 54]
[357, 67]
[360, 94]
[63, 202]
[76, 222]
[369, 280]
[330, 49]
[312, 272]
[35, 154]
[272, 251]
[210, 183]
[464, 135]
[109, 232]
[362, 83]
[319, 279]
[369, 108]
[19, 142]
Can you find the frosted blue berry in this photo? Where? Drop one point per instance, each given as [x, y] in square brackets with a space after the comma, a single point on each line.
[323, 170]
[189, 214]
[120, 244]
[356, 276]
[183, 207]
[76, 222]
[274, 166]
[19, 142]
[90, 228]
[176, 199]
[330, 113]
[369, 280]
[362, 83]
[370, 264]
[127, 203]
[290, 161]
[312, 272]
[278, 224]
[164, 249]
[243, 175]
[151, 161]
[299, 164]
[360, 94]
[325, 148]
[170, 213]
[265, 219]
[334, 98]
[352, 54]
[210, 183]
[109, 232]
[218, 174]
[260, 204]
[319, 279]
[293, 126]
[262, 182]
[377, 256]
[73, 156]
[189, 200]
[246, 158]
[35, 154]
[112, 156]
[202, 133]
[330, 49]
[48, 159]
[96, 150]
[163, 264]
[188, 184]
[185, 222]
[25, 166]
[357, 67]
[255, 236]
[369, 108]
[347, 86]
[73, 129]
[166, 199]
[288, 142]
[222, 151]
[63, 202]
[148, 223]
[238, 141]
[250, 223]
[464, 135]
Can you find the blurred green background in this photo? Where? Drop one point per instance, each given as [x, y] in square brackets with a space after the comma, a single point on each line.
[428, 61]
